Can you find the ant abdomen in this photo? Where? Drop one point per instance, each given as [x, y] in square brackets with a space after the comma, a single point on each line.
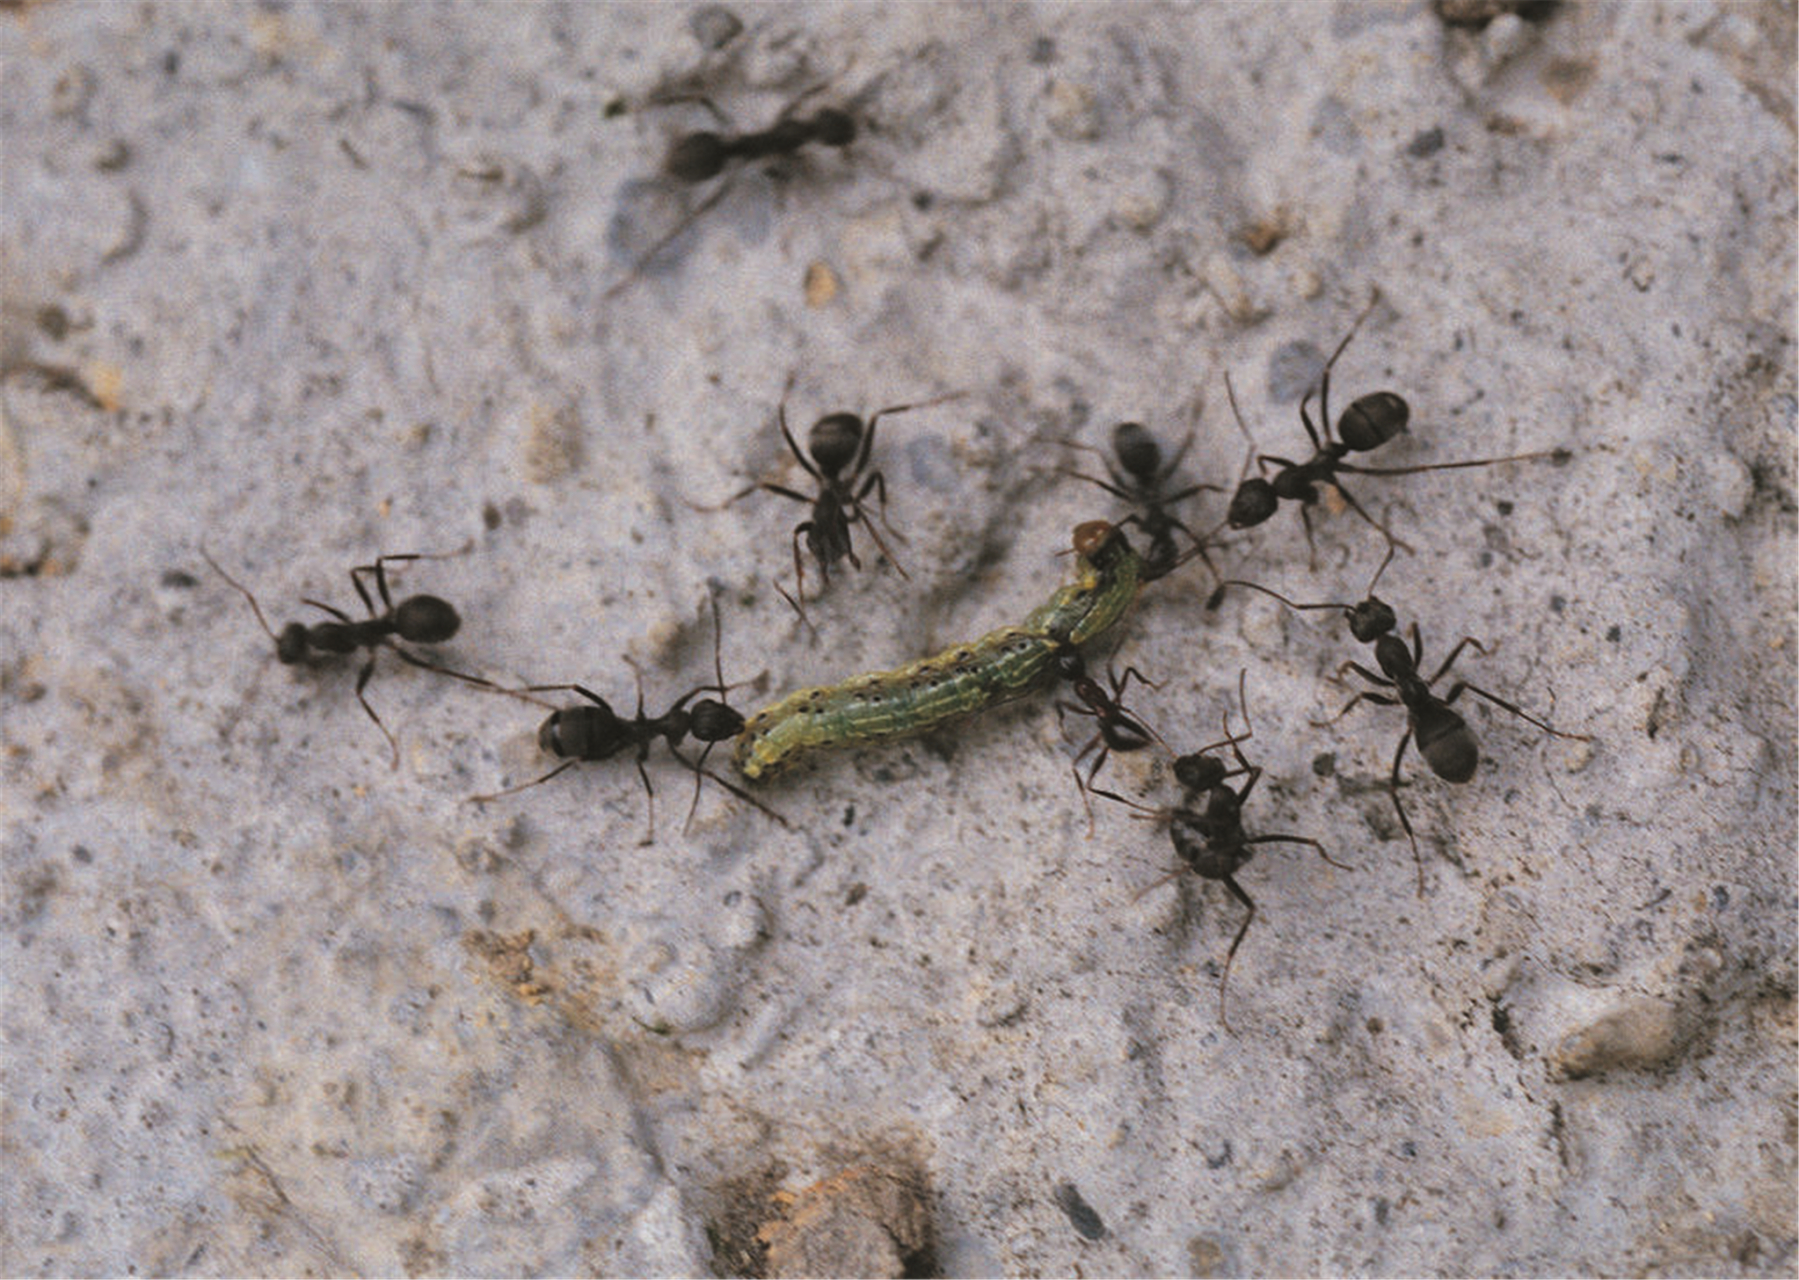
[1202, 840]
[1446, 742]
[1137, 449]
[581, 733]
[1373, 420]
[834, 440]
[426, 619]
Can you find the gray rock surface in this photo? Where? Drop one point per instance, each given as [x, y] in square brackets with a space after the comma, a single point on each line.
[313, 282]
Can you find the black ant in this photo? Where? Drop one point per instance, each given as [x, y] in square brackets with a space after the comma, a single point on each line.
[1141, 485]
[1445, 741]
[598, 732]
[1369, 422]
[418, 619]
[703, 154]
[840, 445]
[1207, 826]
[1118, 729]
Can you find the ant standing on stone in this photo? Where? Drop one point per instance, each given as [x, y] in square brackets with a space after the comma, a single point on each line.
[418, 619]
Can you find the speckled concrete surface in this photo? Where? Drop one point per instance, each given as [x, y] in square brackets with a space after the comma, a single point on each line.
[314, 282]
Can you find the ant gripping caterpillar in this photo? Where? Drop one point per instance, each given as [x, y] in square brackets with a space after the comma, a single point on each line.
[916, 698]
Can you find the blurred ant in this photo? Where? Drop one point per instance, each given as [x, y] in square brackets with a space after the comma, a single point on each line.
[598, 732]
[1206, 827]
[703, 154]
[1141, 485]
[1444, 739]
[419, 619]
[840, 445]
[1117, 729]
[1369, 422]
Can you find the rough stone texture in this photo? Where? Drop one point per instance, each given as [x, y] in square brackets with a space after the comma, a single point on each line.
[311, 282]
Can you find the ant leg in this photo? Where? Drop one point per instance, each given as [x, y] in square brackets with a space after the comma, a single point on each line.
[1236, 892]
[1305, 519]
[879, 541]
[1393, 785]
[798, 598]
[1111, 488]
[1365, 696]
[1085, 786]
[674, 233]
[1385, 532]
[1254, 771]
[735, 790]
[868, 436]
[356, 581]
[759, 486]
[589, 694]
[698, 777]
[379, 569]
[523, 786]
[1552, 454]
[648, 791]
[1305, 417]
[337, 613]
[362, 680]
[1456, 653]
[1456, 692]
[1287, 839]
[443, 671]
[878, 483]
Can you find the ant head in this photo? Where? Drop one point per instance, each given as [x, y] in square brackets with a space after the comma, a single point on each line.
[1199, 771]
[712, 721]
[833, 127]
[1373, 420]
[291, 644]
[1371, 618]
[1254, 501]
[1069, 665]
[426, 619]
[1137, 450]
[694, 157]
[834, 440]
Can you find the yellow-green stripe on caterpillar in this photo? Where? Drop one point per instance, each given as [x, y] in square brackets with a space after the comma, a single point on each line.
[1000, 666]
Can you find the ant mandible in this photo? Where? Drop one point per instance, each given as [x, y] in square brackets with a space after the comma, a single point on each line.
[597, 732]
[1369, 422]
[418, 619]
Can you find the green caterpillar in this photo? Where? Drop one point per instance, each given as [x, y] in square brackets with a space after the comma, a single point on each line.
[1000, 666]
